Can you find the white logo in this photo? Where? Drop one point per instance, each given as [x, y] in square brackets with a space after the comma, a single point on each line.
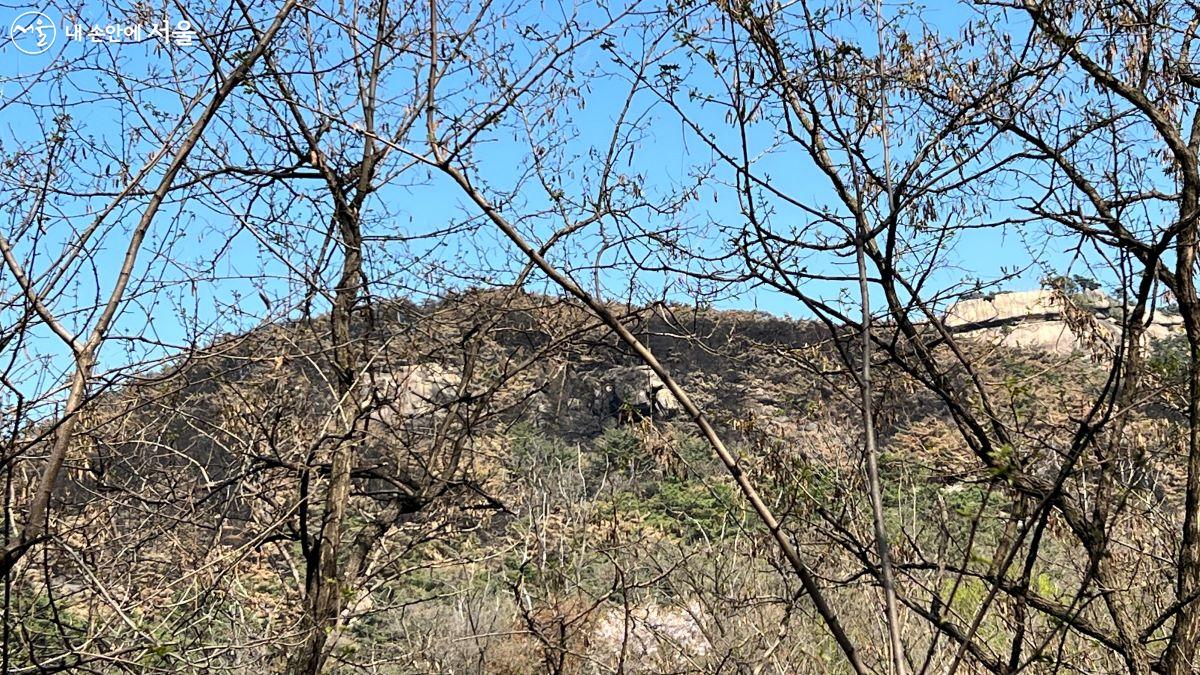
[32, 33]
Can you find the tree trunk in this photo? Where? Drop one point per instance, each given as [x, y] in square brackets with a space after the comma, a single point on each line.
[1185, 638]
[324, 580]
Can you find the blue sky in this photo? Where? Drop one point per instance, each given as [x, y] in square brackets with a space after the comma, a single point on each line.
[196, 280]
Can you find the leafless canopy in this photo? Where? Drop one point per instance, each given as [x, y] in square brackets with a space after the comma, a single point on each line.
[420, 336]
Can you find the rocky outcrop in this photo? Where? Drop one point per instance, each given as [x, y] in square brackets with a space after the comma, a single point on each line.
[415, 390]
[651, 636]
[1051, 321]
[618, 392]
[634, 390]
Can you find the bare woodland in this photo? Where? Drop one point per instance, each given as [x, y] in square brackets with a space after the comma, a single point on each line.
[419, 337]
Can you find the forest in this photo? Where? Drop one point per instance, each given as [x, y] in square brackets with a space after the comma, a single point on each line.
[603, 336]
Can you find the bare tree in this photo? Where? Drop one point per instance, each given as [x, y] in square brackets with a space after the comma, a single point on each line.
[85, 348]
[429, 228]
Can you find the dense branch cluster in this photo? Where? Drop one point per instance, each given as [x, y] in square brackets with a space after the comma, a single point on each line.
[411, 336]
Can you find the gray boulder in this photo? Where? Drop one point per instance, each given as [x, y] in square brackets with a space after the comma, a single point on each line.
[635, 391]
[415, 390]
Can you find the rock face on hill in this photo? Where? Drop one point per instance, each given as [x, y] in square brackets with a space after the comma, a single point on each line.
[413, 390]
[635, 389]
[1051, 321]
[751, 373]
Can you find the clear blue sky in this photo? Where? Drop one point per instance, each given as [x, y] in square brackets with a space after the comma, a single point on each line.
[169, 310]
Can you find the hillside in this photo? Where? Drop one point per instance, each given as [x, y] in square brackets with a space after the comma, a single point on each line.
[528, 497]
